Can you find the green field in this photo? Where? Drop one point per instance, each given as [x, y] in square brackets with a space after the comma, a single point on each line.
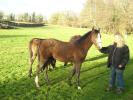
[15, 83]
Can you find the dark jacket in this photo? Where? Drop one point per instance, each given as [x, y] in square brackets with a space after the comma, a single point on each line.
[116, 55]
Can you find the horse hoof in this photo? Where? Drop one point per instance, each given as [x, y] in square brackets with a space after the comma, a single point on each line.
[37, 87]
[79, 88]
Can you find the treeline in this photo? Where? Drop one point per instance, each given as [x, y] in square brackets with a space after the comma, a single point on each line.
[110, 15]
[12, 21]
[66, 18]
[24, 17]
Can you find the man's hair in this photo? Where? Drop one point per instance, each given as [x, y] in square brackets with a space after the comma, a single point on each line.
[120, 36]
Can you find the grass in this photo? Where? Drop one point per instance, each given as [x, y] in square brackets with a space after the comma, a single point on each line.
[15, 83]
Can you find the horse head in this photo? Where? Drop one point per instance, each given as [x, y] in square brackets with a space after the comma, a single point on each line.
[96, 37]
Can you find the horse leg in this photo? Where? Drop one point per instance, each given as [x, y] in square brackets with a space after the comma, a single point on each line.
[78, 67]
[72, 74]
[48, 64]
[31, 63]
[65, 64]
[46, 67]
[38, 68]
[53, 63]
[37, 76]
[46, 75]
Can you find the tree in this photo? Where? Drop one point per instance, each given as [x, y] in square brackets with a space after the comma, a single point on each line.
[33, 17]
[111, 15]
[39, 18]
[54, 18]
[26, 17]
[11, 17]
[66, 18]
[1, 15]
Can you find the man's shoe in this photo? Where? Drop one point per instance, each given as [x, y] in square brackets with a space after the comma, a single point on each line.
[108, 89]
[119, 90]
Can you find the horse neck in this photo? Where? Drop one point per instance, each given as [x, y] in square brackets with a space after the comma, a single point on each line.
[86, 44]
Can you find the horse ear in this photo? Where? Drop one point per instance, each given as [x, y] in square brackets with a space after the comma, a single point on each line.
[92, 28]
[99, 29]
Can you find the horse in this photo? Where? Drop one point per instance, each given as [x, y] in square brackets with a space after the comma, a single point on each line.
[33, 45]
[67, 52]
[72, 40]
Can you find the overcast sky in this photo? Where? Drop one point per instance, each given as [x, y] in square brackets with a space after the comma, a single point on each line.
[44, 7]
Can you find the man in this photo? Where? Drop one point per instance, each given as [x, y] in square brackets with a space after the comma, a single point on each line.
[118, 57]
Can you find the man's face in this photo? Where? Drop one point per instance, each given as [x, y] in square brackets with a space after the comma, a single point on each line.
[116, 39]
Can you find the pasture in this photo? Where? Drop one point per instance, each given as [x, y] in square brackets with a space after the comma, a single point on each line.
[15, 83]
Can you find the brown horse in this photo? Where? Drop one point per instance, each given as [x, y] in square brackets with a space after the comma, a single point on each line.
[33, 45]
[67, 52]
[72, 40]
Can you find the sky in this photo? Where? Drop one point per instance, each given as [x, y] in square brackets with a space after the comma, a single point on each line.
[44, 7]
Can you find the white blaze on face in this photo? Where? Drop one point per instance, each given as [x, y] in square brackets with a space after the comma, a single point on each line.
[99, 42]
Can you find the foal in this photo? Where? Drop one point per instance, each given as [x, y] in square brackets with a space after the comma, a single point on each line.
[67, 52]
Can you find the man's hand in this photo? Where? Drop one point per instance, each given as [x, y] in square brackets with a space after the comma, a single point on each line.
[120, 66]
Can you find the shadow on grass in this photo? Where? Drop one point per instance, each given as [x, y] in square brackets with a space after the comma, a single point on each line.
[24, 87]
[93, 67]
[87, 60]
[64, 77]
[96, 58]
[14, 36]
[92, 78]
[16, 89]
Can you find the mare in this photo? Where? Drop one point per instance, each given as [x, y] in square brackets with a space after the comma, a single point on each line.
[67, 52]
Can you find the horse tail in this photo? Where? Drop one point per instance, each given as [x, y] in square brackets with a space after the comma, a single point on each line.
[33, 52]
[30, 49]
[49, 61]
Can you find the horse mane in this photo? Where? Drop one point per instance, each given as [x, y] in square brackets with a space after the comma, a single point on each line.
[82, 38]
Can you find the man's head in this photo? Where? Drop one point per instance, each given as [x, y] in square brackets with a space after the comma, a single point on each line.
[119, 40]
